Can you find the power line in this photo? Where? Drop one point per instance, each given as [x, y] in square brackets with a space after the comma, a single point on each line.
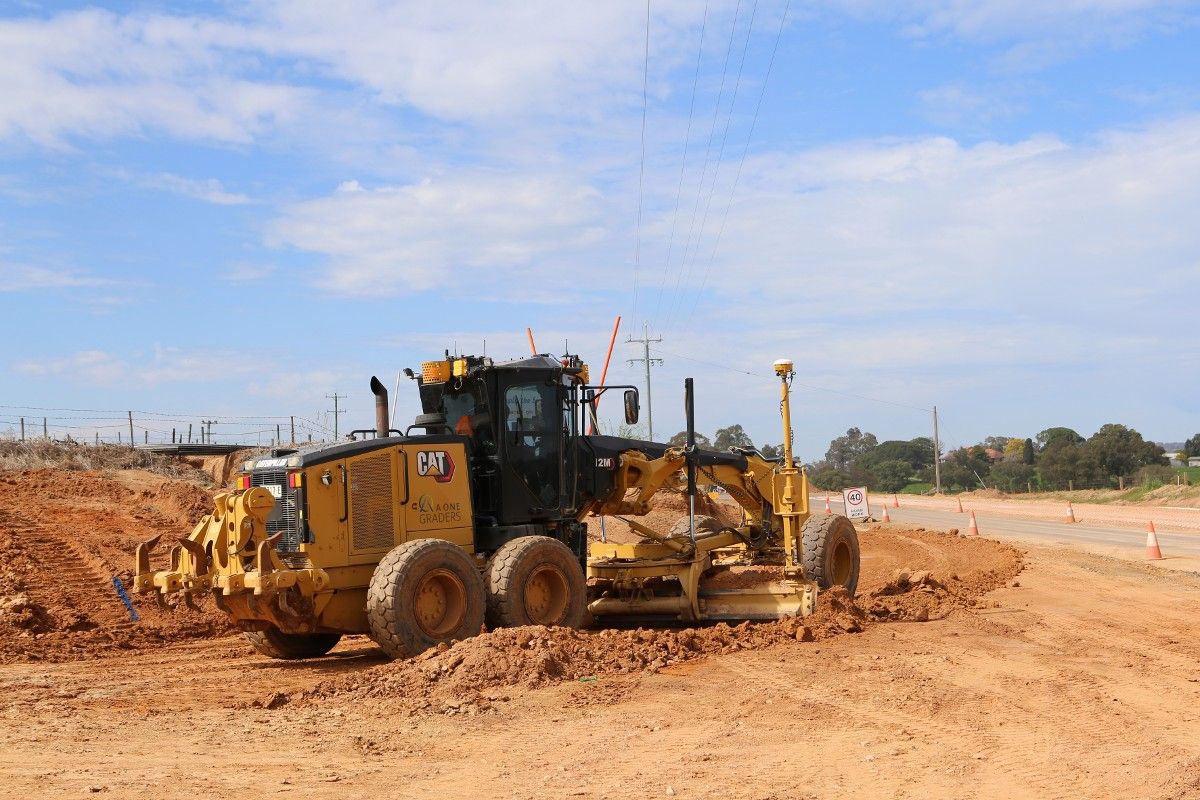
[741, 163]
[810, 386]
[737, 85]
[707, 150]
[637, 252]
[645, 342]
[683, 163]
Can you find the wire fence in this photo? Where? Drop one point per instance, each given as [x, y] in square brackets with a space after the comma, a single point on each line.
[92, 426]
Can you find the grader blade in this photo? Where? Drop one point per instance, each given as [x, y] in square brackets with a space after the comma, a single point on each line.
[773, 601]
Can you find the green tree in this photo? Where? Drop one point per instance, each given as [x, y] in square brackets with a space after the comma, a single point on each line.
[1052, 435]
[1121, 451]
[1027, 453]
[771, 450]
[966, 467]
[730, 437]
[917, 453]
[1014, 449]
[680, 439]
[997, 442]
[846, 450]
[891, 475]
[1011, 476]
[1063, 462]
[830, 479]
[1191, 448]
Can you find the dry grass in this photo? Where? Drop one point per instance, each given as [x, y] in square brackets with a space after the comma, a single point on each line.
[48, 454]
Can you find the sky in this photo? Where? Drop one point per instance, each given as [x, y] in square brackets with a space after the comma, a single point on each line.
[231, 211]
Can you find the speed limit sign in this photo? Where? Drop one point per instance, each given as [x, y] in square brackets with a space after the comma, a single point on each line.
[857, 506]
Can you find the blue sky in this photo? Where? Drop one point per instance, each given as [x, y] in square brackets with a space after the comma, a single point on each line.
[234, 210]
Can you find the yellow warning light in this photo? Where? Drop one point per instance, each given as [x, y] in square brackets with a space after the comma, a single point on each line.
[435, 372]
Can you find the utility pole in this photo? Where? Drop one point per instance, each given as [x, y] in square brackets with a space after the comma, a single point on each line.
[206, 430]
[937, 456]
[647, 360]
[335, 397]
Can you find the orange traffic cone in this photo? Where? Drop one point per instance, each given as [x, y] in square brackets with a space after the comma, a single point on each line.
[1070, 517]
[960, 508]
[886, 516]
[828, 510]
[973, 528]
[1152, 551]
[895, 501]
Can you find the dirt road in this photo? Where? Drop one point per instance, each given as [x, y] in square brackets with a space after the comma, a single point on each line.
[1083, 681]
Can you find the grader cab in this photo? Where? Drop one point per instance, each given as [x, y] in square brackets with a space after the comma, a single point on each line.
[477, 514]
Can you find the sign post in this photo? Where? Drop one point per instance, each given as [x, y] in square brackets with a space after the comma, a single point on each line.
[857, 506]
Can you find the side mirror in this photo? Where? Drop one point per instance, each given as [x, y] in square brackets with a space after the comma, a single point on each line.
[631, 407]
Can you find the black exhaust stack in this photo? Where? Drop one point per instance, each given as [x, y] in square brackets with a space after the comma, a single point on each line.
[381, 407]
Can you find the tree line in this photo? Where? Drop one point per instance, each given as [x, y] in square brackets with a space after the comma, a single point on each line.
[1056, 458]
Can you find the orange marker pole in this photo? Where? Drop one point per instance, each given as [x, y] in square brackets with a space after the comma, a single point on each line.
[604, 372]
[532, 346]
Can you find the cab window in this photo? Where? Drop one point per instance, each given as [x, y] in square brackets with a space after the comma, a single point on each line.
[533, 438]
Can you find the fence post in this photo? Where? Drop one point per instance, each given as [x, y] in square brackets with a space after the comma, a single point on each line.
[172, 436]
[1121, 482]
[1070, 485]
[131, 439]
[22, 429]
[278, 433]
[145, 437]
[119, 437]
[1029, 487]
[189, 441]
[97, 438]
[293, 439]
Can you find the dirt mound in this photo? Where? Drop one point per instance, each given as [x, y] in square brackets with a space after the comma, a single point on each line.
[64, 536]
[472, 676]
[667, 507]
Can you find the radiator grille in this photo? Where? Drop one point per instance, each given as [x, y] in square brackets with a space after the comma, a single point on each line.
[285, 517]
[372, 514]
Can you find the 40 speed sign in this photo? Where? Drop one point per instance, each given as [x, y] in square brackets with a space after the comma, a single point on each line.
[857, 506]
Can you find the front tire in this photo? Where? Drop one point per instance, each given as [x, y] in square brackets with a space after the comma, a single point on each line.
[535, 580]
[423, 593]
[830, 552]
[274, 643]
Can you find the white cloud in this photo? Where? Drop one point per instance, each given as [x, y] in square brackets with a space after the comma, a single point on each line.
[208, 191]
[96, 74]
[1038, 227]
[147, 369]
[14, 278]
[473, 231]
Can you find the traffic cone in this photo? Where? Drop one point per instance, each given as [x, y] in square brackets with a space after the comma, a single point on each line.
[973, 528]
[1152, 551]
[960, 508]
[1070, 517]
[895, 500]
[828, 510]
[886, 517]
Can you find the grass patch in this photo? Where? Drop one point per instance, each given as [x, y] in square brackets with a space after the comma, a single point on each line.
[917, 488]
[48, 454]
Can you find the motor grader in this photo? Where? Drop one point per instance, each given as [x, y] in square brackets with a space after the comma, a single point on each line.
[477, 514]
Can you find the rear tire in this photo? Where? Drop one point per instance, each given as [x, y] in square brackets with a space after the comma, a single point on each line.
[274, 643]
[830, 552]
[535, 580]
[422, 593]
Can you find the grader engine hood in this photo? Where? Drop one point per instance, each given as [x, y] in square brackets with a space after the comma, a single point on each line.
[231, 555]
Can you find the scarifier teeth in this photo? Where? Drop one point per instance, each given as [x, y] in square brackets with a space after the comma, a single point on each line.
[199, 558]
[143, 554]
[187, 599]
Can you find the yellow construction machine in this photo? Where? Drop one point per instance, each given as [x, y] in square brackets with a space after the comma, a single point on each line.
[478, 514]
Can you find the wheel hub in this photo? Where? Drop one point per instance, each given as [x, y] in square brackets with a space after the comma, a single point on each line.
[440, 603]
[547, 595]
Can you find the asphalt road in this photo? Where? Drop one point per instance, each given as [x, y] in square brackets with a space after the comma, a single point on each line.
[1180, 550]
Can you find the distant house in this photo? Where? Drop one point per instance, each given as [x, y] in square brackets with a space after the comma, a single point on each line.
[1194, 461]
[993, 454]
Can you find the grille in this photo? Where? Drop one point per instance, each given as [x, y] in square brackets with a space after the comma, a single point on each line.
[372, 515]
[285, 516]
